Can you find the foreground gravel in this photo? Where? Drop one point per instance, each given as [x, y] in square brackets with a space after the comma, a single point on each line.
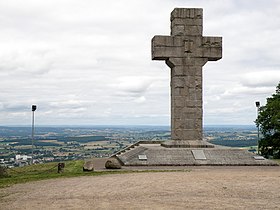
[199, 188]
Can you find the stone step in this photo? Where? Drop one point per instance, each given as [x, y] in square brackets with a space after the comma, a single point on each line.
[132, 154]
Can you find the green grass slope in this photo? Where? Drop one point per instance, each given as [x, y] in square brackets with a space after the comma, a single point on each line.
[47, 171]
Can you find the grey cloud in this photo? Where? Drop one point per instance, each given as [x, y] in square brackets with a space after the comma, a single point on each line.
[13, 107]
[259, 79]
[69, 104]
[131, 85]
[29, 63]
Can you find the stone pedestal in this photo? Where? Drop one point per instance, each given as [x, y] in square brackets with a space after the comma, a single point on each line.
[187, 144]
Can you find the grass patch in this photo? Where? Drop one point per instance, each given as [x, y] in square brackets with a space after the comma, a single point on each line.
[49, 171]
[277, 160]
[38, 172]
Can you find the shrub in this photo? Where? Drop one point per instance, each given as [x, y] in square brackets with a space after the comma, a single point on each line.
[3, 172]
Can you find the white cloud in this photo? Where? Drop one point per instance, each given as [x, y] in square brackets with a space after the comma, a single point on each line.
[261, 79]
[29, 63]
[140, 99]
[132, 85]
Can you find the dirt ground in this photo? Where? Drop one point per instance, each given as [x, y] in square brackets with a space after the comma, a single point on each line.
[196, 188]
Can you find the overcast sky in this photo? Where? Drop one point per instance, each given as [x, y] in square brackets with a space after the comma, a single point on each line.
[89, 62]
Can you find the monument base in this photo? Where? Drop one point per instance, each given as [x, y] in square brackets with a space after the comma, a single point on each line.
[187, 144]
[156, 153]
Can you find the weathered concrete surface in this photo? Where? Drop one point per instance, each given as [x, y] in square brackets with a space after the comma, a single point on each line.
[185, 52]
[158, 155]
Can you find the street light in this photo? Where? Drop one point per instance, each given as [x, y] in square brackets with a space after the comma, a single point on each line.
[258, 104]
[33, 108]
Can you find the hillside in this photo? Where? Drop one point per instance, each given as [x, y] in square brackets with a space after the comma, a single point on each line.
[49, 171]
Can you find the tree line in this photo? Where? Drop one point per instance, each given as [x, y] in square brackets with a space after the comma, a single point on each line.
[268, 121]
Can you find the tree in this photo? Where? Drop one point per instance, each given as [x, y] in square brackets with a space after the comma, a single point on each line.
[269, 121]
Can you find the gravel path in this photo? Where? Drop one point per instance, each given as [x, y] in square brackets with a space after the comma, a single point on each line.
[200, 188]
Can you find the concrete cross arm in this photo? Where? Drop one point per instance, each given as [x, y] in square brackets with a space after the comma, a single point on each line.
[211, 48]
[164, 47]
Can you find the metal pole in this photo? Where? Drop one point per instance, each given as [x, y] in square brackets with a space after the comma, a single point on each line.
[258, 110]
[258, 139]
[32, 136]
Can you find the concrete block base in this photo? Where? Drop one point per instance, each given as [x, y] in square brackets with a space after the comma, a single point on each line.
[187, 144]
[158, 155]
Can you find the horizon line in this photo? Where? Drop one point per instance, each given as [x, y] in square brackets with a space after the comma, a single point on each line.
[115, 125]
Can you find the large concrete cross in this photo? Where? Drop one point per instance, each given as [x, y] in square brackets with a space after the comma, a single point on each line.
[186, 51]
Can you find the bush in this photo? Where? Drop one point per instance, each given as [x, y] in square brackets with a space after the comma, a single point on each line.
[3, 172]
[270, 146]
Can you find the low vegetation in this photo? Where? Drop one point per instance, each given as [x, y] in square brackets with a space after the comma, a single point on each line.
[45, 171]
[49, 171]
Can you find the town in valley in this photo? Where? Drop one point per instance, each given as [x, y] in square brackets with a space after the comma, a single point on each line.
[62, 143]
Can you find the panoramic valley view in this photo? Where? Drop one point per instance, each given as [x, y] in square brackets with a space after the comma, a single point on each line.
[82, 142]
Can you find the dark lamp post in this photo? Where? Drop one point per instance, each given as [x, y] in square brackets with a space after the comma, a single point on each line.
[258, 104]
[33, 108]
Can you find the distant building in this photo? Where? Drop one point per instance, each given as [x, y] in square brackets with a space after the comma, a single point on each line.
[23, 157]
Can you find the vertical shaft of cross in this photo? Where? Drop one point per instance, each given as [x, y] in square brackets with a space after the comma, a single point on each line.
[186, 51]
[186, 101]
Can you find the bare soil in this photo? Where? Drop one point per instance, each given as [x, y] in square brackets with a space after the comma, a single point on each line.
[196, 188]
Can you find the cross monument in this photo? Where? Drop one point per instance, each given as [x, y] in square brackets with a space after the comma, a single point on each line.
[186, 51]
